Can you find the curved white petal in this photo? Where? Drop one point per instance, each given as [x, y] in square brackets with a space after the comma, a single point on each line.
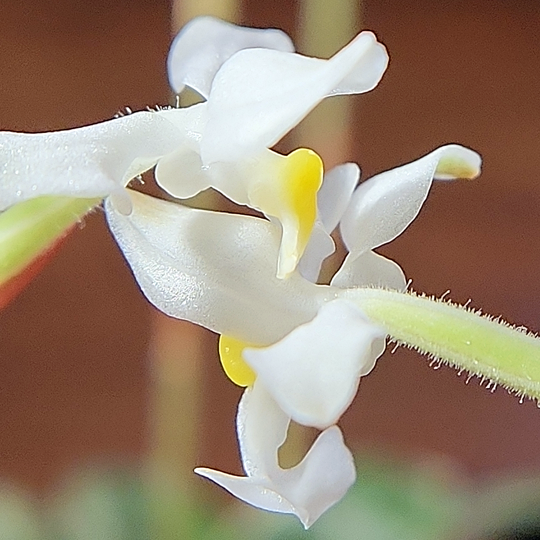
[270, 183]
[262, 428]
[332, 200]
[382, 207]
[313, 373]
[370, 269]
[319, 481]
[319, 247]
[215, 269]
[205, 43]
[181, 174]
[91, 161]
[259, 95]
[335, 193]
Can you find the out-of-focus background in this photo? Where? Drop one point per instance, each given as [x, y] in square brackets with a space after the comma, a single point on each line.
[79, 347]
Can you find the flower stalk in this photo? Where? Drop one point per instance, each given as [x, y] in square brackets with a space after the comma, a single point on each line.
[489, 348]
[29, 228]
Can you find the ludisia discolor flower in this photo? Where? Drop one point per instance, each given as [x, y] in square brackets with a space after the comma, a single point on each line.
[300, 346]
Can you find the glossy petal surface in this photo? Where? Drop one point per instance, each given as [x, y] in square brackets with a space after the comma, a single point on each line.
[335, 193]
[260, 94]
[332, 200]
[320, 246]
[382, 207]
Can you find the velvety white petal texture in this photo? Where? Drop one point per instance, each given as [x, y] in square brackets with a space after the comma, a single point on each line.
[205, 43]
[191, 121]
[319, 481]
[91, 161]
[215, 269]
[182, 174]
[370, 270]
[313, 373]
[259, 94]
[382, 207]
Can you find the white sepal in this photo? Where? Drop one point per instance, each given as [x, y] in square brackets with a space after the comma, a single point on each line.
[307, 490]
[313, 373]
[320, 246]
[91, 161]
[332, 200]
[205, 43]
[217, 270]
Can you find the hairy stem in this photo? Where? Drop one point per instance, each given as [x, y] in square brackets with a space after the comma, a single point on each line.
[483, 346]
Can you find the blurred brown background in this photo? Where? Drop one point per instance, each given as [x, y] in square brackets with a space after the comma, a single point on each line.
[75, 375]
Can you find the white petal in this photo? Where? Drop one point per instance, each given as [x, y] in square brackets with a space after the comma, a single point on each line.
[307, 490]
[319, 247]
[181, 174]
[191, 121]
[262, 428]
[335, 193]
[215, 269]
[205, 43]
[382, 207]
[370, 270]
[92, 161]
[313, 373]
[332, 200]
[252, 490]
[259, 94]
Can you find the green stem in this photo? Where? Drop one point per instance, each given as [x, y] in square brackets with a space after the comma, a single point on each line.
[479, 344]
[29, 228]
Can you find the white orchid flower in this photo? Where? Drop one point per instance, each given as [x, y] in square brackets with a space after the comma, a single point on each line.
[299, 347]
[256, 90]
